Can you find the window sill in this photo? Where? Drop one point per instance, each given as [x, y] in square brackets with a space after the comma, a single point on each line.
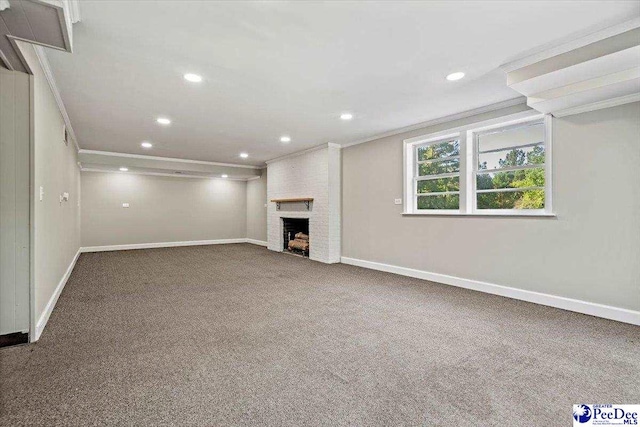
[488, 214]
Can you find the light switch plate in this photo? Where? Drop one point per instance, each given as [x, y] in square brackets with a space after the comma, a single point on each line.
[125, 205]
[398, 201]
[41, 193]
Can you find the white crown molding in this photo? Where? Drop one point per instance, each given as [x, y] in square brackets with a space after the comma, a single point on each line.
[569, 43]
[579, 306]
[458, 116]
[46, 68]
[301, 152]
[70, 16]
[74, 10]
[627, 99]
[166, 159]
[171, 175]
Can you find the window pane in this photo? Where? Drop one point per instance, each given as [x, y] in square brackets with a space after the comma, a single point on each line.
[447, 201]
[438, 167]
[440, 150]
[528, 199]
[512, 147]
[526, 155]
[510, 179]
[439, 185]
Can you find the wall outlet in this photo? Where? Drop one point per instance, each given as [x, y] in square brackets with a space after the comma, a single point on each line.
[125, 205]
[398, 201]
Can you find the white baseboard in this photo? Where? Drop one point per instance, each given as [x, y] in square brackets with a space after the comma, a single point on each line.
[44, 317]
[257, 242]
[160, 245]
[590, 308]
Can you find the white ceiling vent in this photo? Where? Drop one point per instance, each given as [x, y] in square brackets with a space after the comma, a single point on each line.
[596, 71]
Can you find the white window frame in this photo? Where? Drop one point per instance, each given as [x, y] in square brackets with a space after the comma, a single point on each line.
[467, 135]
[415, 178]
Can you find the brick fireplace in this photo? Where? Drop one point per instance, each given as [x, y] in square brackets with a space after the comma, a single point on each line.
[313, 174]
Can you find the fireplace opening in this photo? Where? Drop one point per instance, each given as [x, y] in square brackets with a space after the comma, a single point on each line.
[296, 236]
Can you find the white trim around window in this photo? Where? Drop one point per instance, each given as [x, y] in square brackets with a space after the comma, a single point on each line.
[459, 159]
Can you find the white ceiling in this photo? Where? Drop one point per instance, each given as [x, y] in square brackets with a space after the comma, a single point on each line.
[275, 68]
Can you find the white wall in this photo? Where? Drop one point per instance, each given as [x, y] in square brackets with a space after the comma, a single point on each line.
[56, 225]
[590, 252]
[256, 209]
[15, 143]
[162, 209]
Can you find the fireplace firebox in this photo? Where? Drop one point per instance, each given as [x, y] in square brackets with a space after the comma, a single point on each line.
[296, 236]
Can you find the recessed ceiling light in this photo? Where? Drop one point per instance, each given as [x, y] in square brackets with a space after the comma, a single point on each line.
[163, 121]
[225, 175]
[193, 78]
[346, 116]
[123, 169]
[285, 139]
[244, 155]
[455, 76]
[146, 144]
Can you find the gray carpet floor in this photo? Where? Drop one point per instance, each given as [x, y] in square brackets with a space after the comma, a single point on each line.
[239, 335]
